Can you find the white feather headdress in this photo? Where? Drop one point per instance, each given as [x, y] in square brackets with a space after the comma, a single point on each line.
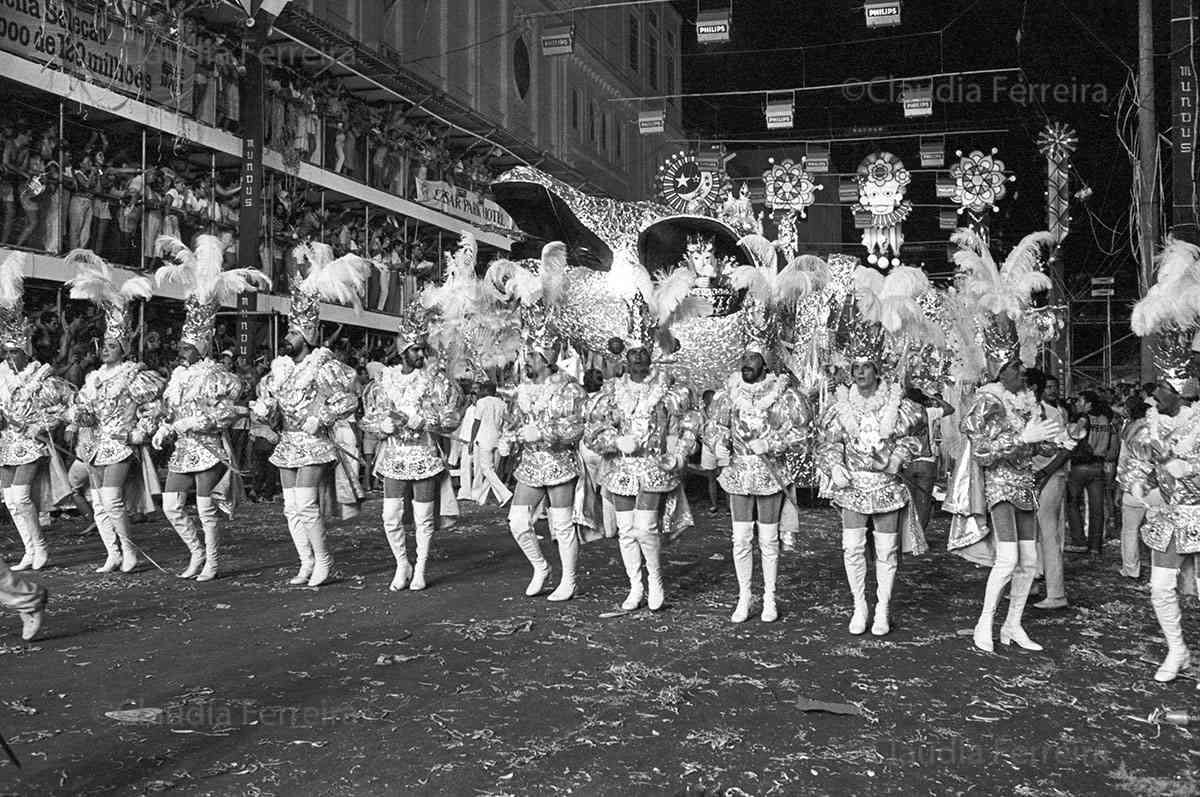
[13, 332]
[336, 280]
[94, 282]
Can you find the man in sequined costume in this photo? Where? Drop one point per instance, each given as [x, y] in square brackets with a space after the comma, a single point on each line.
[199, 403]
[753, 422]
[545, 424]
[644, 427]
[305, 394]
[409, 407]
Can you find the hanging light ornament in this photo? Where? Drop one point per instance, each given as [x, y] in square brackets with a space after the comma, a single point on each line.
[685, 187]
[789, 186]
[881, 207]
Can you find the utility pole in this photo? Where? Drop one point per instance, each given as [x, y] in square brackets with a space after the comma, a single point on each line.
[1147, 173]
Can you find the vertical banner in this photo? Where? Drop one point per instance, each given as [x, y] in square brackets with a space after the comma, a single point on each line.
[250, 216]
[1183, 121]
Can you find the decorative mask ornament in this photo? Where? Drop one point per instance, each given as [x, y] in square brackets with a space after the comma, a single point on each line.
[882, 181]
[701, 257]
[738, 212]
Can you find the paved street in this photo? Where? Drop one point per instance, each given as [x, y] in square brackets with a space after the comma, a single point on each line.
[471, 688]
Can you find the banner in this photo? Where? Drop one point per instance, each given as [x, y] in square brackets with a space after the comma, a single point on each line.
[1185, 99]
[464, 204]
[142, 63]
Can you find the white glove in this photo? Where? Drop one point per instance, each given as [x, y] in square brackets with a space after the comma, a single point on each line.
[839, 477]
[160, 437]
[503, 448]
[1178, 468]
[758, 446]
[137, 437]
[1039, 431]
[415, 422]
[1153, 498]
[626, 444]
[669, 463]
[531, 434]
[387, 427]
[311, 425]
[259, 408]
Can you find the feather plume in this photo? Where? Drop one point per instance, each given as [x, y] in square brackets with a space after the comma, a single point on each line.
[628, 277]
[512, 280]
[804, 275]
[753, 280]
[136, 288]
[341, 281]
[12, 278]
[1173, 302]
[670, 295]
[466, 256]
[180, 269]
[761, 251]
[553, 272]
[93, 278]
[868, 286]
[966, 238]
[239, 280]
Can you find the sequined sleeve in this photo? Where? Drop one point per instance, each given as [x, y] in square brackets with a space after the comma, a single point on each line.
[1135, 466]
[84, 401]
[442, 404]
[600, 433]
[716, 427]
[992, 437]
[831, 440]
[221, 405]
[339, 403]
[566, 426]
[145, 388]
[907, 444]
[56, 397]
[685, 421]
[377, 411]
[266, 407]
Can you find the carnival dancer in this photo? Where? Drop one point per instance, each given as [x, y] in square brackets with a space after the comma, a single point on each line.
[1162, 462]
[32, 404]
[306, 392]
[199, 403]
[545, 424]
[1005, 427]
[409, 406]
[644, 427]
[867, 437]
[757, 419]
[119, 404]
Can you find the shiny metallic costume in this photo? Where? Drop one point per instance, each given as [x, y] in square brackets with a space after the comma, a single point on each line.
[865, 453]
[318, 387]
[659, 416]
[429, 394]
[772, 411]
[554, 407]
[204, 392]
[1161, 440]
[994, 428]
[32, 403]
[124, 399]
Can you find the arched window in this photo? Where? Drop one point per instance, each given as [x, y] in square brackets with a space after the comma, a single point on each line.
[520, 63]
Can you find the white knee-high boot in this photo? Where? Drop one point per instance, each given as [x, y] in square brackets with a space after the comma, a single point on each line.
[210, 521]
[1165, 599]
[308, 517]
[107, 535]
[886, 562]
[174, 507]
[743, 565]
[768, 547]
[113, 499]
[423, 521]
[299, 537]
[16, 511]
[520, 525]
[562, 527]
[393, 529]
[1018, 593]
[645, 528]
[1007, 556]
[631, 557]
[854, 557]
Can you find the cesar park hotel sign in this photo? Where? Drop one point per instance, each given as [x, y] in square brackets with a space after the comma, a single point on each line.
[464, 204]
[132, 61]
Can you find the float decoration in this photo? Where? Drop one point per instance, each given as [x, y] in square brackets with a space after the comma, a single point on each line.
[979, 183]
[882, 181]
[685, 187]
[790, 187]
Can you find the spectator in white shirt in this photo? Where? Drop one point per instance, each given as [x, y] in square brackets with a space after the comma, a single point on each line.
[1051, 472]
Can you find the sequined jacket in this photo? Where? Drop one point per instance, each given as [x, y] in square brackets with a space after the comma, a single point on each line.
[771, 411]
[852, 436]
[317, 387]
[994, 425]
[555, 408]
[33, 403]
[659, 415]
[1143, 468]
[202, 395]
[125, 402]
[396, 397]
